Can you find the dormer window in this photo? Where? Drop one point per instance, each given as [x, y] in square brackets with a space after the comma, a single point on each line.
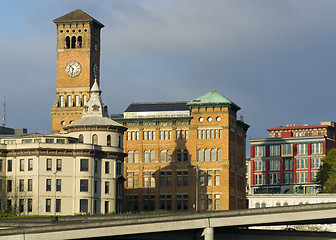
[95, 108]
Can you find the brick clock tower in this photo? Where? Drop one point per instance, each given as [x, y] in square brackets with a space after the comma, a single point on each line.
[78, 64]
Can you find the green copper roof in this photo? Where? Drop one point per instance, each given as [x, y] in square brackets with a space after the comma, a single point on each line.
[212, 98]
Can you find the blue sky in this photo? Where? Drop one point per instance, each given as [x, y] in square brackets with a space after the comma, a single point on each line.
[275, 59]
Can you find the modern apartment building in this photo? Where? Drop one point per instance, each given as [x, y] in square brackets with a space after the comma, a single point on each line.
[184, 156]
[289, 160]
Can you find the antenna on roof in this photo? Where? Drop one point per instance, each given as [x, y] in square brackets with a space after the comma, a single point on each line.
[4, 113]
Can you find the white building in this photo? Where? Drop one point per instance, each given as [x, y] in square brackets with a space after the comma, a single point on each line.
[79, 171]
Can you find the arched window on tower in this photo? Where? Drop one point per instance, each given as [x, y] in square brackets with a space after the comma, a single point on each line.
[94, 139]
[108, 140]
[67, 42]
[81, 138]
[79, 42]
[73, 42]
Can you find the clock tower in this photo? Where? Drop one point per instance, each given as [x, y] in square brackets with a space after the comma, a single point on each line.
[78, 61]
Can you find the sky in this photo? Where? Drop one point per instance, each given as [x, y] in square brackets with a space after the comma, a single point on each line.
[275, 59]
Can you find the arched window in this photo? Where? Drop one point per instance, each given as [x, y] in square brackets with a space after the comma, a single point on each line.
[219, 154]
[285, 204]
[79, 42]
[200, 155]
[278, 204]
[136, 157]
[146, 156]
[163, 156]
[81, 138]
[130, 157]
[94, 139]
[108, 139]
[206, 155]
[179, 155]
[185, 155]
[169, 156]
[152, 156]
[73, 42]
[263, 205]
[67, 42]
[257, 205]
[213, 155]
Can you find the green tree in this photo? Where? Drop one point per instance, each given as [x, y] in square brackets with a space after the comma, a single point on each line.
[326, 177]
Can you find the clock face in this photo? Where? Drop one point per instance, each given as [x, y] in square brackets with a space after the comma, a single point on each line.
[95, 70]
[73, 69]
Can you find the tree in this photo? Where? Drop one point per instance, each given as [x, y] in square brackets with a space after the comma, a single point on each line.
[326, 177]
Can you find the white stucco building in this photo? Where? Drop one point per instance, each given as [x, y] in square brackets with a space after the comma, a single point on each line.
[78, 171]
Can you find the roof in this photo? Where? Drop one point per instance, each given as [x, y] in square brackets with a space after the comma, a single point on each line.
[157, 106]
[94, 121]
[77, 16]
[297, 127]
[211, 98]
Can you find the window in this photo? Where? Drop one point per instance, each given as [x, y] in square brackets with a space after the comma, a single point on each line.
[260, 151]
[287, 149]
[77, 100]
[259, 165]
[217, 201]
[95, 166]
[58, 185]
[202, 178]
[21, 164]
[61, 101]
[59, 164]
[107, 167]
[302, 177]
[30, 185]
[200, 155]
[81, 138]
[84, 165]
[314, 175]
[132, 179]
[209, 202]
[213, 155]
[48, 140]
[48, 164]
[169, 156]
[316, 163]
[275, 150]
[129, 157]
[144, 135]
[274, 165]
[1, 165]
[219, 154]
[288, 177]
[209, 178]
[165, 202]
[108, 140]
[317, 148]
[83, 205]
[274, 178]
[21, 185]
[84, 185]
[163, 156]
[48, 205]
[30, 205]
[9, 185]
[288, 164]
[206, 155]
[152, 156]
[106, 206]
[217, 177]
[259, 179]
[302, 163]
[146, 156]
[94, 139]
[9, 166]
[302, 149]
[21, 205]
[182, 202]
[119, 168]
[165, 178]
[182, 178]
[179, 155]
[107, 187]
[58, 205]
[30, 164]
[62, 141]
[48, 185]
[136, 157]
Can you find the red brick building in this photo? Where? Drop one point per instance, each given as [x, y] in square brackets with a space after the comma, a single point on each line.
[289, 160]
